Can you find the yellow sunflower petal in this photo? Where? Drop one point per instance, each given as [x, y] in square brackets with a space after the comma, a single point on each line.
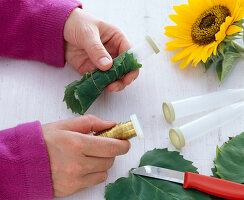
[185, 10]
[220, 36]
[204, 53]
[207, 51]
[185, 62]
[230, 4]
[178, 19]
[199, 5]
[183, 53]
[241, 3]
[177, 44]
[233, 29]
[195, 54]
[178, 32]
[239, 15]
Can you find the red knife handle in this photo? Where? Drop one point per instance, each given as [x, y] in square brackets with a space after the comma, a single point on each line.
[214, 186]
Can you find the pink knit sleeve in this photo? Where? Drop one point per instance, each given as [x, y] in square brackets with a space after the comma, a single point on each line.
[24, 164]
[33, 29]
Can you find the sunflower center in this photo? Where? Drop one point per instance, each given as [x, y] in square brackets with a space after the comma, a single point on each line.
[207, 21]
[208, 24]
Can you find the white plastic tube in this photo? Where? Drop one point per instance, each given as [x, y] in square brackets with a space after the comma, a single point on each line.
[185, 107]
[193, 130]
[145, 49]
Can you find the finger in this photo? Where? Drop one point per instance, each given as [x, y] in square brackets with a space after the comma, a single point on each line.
[131, 76]
[123, 82]
[85, 124]
[93, 179]
[124, 44]
[116, 86]
[102, 147]
[96, 51]
[114, 39]
[86, 66]
[95, 164]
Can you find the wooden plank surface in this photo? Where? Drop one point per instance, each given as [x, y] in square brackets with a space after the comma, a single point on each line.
[34, 91]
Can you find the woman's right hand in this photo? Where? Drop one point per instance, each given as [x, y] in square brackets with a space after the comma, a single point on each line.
[79, 160]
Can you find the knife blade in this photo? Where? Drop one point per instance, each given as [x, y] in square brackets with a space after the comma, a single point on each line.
[210, 185]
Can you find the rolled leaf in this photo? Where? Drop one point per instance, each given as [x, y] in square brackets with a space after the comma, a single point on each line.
[80, 95]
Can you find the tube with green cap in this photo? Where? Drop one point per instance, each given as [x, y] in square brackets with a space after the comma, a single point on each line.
[195, 129]
[185, 107]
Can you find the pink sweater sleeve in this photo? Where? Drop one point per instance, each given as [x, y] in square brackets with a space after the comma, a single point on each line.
[33, 29]
[24, 164]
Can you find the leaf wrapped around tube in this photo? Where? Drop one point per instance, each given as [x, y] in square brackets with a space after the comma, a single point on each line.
[79, 95]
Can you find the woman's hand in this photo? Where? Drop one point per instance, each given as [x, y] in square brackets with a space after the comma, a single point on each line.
[91, 43]
[79, 160]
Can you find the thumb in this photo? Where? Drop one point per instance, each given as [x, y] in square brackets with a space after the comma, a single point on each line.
[85, 124]
[97, 52]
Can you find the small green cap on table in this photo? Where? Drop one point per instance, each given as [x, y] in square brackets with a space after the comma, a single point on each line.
[169, 112]
[177, 138]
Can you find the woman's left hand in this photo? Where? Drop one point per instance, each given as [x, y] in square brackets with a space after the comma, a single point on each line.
[91, 43]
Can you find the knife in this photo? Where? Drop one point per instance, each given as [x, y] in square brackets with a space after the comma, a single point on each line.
[210, 185]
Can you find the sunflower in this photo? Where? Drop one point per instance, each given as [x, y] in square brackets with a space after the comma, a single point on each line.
[201, 26]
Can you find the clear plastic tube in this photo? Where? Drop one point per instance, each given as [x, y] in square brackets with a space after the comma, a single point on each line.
[145, 49]
[195, 129]
[185, 107]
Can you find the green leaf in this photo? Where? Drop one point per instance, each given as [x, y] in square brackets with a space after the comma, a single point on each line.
[69, 97]
[228, 56]
[143, 188]
[214, 170]
[209, 63]
[219, 68]
[230, 59]
[237, 47]
[79, 95]
[229, 161]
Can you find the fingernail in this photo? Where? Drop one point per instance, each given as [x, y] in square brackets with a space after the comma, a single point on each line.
[109, 122]
[104, 61]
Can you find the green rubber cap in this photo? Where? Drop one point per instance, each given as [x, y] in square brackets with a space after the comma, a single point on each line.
[152, 44]
[169, 112]
[177, 138]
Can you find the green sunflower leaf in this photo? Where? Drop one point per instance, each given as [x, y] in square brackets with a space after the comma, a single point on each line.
[229, 61]
[237, 47]
[229, 160]
[79, 95]
[228, 56]
[221, 48]
[143, 188]
[219, 66]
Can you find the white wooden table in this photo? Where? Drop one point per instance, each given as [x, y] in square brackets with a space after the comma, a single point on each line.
[34, 91]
